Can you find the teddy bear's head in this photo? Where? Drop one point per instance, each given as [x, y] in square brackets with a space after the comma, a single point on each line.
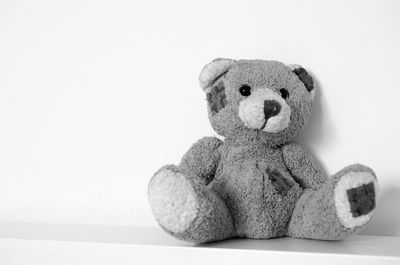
[257, 100]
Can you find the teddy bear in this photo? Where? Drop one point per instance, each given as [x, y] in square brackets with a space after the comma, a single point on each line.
[257, 182]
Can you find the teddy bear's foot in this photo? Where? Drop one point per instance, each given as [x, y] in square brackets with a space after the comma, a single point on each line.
[355, 195]
[340, 208]
[186, 208]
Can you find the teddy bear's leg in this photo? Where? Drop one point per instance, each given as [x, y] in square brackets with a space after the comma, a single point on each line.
[186, 208]
[340, 208]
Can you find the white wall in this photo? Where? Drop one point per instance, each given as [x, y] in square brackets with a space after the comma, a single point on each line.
[95, 96]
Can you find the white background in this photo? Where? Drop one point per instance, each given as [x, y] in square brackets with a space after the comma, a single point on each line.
[95, 96]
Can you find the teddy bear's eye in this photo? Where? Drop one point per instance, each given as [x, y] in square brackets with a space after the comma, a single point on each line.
[245, 90]
[284, 93]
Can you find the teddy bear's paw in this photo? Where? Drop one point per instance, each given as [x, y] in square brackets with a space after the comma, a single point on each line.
[172, 199]
[355, 196]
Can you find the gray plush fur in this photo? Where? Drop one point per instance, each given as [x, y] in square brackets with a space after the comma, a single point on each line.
[259, 184]
[303, 167]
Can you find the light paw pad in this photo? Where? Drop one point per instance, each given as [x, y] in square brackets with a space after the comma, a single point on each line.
[355, 195]
[172, 200]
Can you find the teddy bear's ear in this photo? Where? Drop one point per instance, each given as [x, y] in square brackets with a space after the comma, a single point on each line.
[212, 71]
[304, 77]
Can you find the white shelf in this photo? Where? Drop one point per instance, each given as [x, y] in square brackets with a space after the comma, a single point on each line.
[75, 244]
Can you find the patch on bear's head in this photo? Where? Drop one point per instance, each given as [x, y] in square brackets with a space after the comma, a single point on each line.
[216, 97]
[305, 78]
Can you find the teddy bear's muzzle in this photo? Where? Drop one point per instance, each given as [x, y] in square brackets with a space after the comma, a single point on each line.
[265, 110]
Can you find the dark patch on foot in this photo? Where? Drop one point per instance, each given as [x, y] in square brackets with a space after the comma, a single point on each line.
[281, 184]
[361, 199]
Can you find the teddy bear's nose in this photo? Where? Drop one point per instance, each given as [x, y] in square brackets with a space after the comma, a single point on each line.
[271, 108]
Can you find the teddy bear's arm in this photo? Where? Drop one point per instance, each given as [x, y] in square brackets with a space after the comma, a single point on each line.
[202, 158]
[303, 166]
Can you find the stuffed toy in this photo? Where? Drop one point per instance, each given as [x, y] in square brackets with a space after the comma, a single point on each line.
[258, 183]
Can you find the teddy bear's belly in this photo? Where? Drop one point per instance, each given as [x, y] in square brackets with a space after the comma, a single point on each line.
[259, 192]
